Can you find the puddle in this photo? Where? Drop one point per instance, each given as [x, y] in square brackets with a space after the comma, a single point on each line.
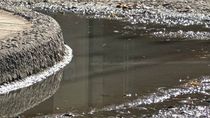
[121, 70]
[20, 100]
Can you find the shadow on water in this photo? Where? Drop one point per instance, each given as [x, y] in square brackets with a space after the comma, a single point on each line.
[113, 65]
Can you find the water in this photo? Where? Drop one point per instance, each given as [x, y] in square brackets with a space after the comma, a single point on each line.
[117, 65]
[20, 100]
[19, 96]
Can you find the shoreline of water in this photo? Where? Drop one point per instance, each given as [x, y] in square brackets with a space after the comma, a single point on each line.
[30, 80]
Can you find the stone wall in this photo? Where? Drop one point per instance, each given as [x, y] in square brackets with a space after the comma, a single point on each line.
[32, 50]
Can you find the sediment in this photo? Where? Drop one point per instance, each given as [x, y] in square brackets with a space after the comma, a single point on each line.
[164, 12]
[184, 14]
[30, 51]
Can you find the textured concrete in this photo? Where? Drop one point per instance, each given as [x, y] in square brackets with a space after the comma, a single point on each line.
[10, 24]
[30, 50]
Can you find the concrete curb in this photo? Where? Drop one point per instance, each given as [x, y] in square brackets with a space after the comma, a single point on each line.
[32, 50]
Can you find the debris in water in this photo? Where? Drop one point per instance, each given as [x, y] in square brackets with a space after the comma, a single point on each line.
[116, 31]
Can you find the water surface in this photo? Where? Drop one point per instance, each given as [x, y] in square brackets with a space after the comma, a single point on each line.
[116, 63]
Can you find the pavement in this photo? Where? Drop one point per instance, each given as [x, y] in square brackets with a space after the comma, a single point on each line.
[10, 24]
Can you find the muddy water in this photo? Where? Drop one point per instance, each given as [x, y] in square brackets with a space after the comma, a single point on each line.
[20, 100]
[119, 69]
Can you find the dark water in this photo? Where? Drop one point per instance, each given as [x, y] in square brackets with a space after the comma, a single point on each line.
[18, 101]
[114, 63]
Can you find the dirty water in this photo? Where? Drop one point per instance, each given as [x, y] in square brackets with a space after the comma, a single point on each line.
[121, 70]
[20, 100]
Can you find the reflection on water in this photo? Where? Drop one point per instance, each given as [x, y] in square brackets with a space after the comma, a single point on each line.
[20, 100]
[18, 96]
[113, 65]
